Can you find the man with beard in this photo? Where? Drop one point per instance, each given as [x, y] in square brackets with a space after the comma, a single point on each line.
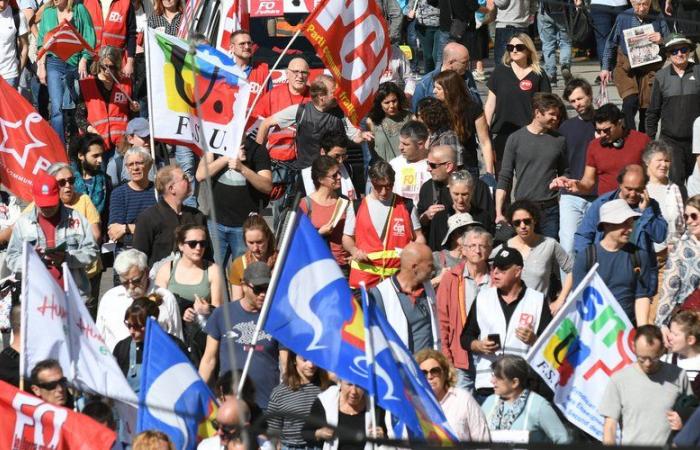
[536, 156]
[242, 49]
[90, 179]
[132, 267]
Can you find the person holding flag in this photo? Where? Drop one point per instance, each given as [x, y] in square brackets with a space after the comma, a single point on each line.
[115, 26]
[242, 49]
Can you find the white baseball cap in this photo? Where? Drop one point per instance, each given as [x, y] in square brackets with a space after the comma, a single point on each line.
[616, 212]
[457, 221]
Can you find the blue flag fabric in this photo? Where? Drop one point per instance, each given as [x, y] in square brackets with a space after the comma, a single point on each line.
[173, 398]
[313, 314]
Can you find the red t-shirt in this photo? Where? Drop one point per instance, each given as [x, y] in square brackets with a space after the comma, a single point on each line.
[320, 216]
[280, 142]
[48, 227]
[609, 161]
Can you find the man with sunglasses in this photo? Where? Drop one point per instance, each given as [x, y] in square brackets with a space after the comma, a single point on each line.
[49, 384]
[675, 102]
[229, 431]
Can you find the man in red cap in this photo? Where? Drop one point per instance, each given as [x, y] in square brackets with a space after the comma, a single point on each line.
[59, 234]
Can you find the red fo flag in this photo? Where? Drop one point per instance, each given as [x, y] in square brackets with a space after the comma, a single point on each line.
[353, 42]
[28, 144]
[29, 422]
[237, 18]
[64, 41]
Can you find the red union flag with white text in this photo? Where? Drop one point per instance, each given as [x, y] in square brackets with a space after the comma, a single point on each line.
[29, 422]
[64, 41]
[28, 144]
[351, 38]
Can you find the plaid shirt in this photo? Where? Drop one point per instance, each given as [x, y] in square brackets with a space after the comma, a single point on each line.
[160, 23]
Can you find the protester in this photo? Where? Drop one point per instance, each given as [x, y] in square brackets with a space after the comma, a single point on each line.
[132, 269]
[195, 282]
[411, 166]
[115, 26]
[640, 396]
[228, 426]
[260, 246]
[512, 19]
[514, 409]
[335, 145]
[452, 252]
[291, 401]
[137, 136]
[407, 299]
[48, 383]
[458, 290]
[387, 117]
[435, 115]
[535, 156]
[461, 410]
[90, 179]
[689, 435]
[14, 43]
[384, 223]
[626, 269]
[426, 17]
[230, 333]
[553, 28]
[58, 233]
[242, 48]
[166, 16]
[495, 310]
[9, 356]
[326, 209]
[515, 80]
[152, 439]
[684, 340]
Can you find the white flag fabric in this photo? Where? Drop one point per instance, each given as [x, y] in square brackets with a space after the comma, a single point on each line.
[589, 340]
[179, 79]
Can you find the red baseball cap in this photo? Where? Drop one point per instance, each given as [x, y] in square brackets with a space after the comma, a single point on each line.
[45, 190]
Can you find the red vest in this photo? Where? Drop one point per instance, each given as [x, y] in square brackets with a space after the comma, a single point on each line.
[112, 31]
[281, 143]
[382, 251]
[109, 119]
[256, 78]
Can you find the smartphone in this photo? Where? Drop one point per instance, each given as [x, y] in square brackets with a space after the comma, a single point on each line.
[495, 338]
[58, 248]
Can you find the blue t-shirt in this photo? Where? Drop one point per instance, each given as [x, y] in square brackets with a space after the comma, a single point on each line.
[617, 271]
[578, 134]
[264, 368]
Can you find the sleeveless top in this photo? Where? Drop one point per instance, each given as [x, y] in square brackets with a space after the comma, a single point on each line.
[185, 292]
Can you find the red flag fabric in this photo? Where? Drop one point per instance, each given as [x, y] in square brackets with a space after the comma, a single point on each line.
[187, 18]
[353, 42]
[28, 144]
[64, 41]
[237, 18]
[29, 422]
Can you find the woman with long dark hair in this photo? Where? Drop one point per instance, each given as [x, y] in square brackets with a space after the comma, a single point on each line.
[389, 113]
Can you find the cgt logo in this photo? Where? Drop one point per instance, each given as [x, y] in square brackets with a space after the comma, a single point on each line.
[38, 423]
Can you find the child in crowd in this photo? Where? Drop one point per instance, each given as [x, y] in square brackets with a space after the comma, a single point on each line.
[685, 343]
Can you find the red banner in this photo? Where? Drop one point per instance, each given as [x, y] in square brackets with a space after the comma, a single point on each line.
[28, 144]
[29, 422]
[63, 41]
[353, 42]
[266, 8]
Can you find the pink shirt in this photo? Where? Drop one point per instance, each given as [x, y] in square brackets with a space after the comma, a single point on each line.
[465, 416]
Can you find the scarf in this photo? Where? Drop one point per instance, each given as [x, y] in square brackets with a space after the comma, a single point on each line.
[96, 190]
[502, 419]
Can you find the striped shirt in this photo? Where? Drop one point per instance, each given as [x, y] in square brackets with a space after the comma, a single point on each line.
[126, 204]
[691, 365]
[287, 411]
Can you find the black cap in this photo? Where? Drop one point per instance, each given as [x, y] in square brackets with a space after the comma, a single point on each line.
[506, 257]
[257, 274]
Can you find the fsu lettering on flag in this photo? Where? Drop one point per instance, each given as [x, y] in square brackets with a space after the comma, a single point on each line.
[353, 42]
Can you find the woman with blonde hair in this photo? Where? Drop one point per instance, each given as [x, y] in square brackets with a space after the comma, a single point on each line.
[260, 246]
[511, 88]
[463, 412]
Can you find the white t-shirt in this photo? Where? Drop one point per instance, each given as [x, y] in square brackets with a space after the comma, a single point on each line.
[409, 177]
[9, 59]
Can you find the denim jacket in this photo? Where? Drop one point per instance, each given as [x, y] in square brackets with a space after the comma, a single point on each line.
[73, 229]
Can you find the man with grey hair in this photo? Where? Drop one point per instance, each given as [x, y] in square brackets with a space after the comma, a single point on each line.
[411, 166]
[458, 289]
[132, 268]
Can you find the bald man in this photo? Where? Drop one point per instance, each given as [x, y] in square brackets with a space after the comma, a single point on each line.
[408, 299]
[454, 57]
[228, 430]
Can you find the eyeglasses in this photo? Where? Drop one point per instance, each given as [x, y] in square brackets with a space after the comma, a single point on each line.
[651, 359]
[245, 44]
[517, 222]
[133, 281]
[335, 174]
[434, 166]
[257, 290]
[677, 50]
[133, 326]
[299, 73]
[691, 216]
[64, 181]
[136, 164]
[51, 385]
[227, 430]
[380, 187]
[108, 67]
[194, 243]
[516, 47]
[435, 371]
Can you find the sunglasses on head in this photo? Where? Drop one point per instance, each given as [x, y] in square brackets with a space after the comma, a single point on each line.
[64, 181]
[691, 216]
[435, 371]
[515, 47]
[517, 222]
[51, 385]
[193, 243]
[675, 51]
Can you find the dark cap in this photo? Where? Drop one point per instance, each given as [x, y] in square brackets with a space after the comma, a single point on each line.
[257, 274]
[506, 257]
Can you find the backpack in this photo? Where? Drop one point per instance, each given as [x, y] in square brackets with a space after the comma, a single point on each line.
[592, 257]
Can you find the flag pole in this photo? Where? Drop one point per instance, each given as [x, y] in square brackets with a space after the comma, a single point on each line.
[369, 356]
[269, 75]
[23, 322]
[272, 287]
[150, 100]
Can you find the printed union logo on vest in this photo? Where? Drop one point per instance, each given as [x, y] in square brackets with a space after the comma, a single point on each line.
[399, 227]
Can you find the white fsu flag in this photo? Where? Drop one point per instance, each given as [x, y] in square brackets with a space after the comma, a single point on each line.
[584, 345]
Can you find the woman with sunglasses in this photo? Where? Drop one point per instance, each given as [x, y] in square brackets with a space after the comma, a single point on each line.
[196, 283]
[511, 87]
[260, 246]
[461, 410]
[542, 256]
[682, 274]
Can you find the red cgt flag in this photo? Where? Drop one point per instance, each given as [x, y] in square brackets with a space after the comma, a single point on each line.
[353, 42]
[28, 144]
[29, 422]
[64, 41]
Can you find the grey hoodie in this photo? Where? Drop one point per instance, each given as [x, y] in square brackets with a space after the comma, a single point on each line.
[514, 13]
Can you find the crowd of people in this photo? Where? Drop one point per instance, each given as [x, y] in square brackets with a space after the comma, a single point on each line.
[471, 221]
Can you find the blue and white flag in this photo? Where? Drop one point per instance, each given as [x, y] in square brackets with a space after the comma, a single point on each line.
[174, 399]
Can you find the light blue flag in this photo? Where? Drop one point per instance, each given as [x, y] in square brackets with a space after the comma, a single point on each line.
[173, 398]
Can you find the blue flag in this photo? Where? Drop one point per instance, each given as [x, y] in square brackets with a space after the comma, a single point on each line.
[173, 398]
[313, 314]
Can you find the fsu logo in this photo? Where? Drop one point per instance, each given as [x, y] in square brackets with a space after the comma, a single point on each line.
[398, 227]
[525, 85]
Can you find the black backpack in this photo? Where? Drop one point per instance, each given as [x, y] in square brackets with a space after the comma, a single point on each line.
[592, 257]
